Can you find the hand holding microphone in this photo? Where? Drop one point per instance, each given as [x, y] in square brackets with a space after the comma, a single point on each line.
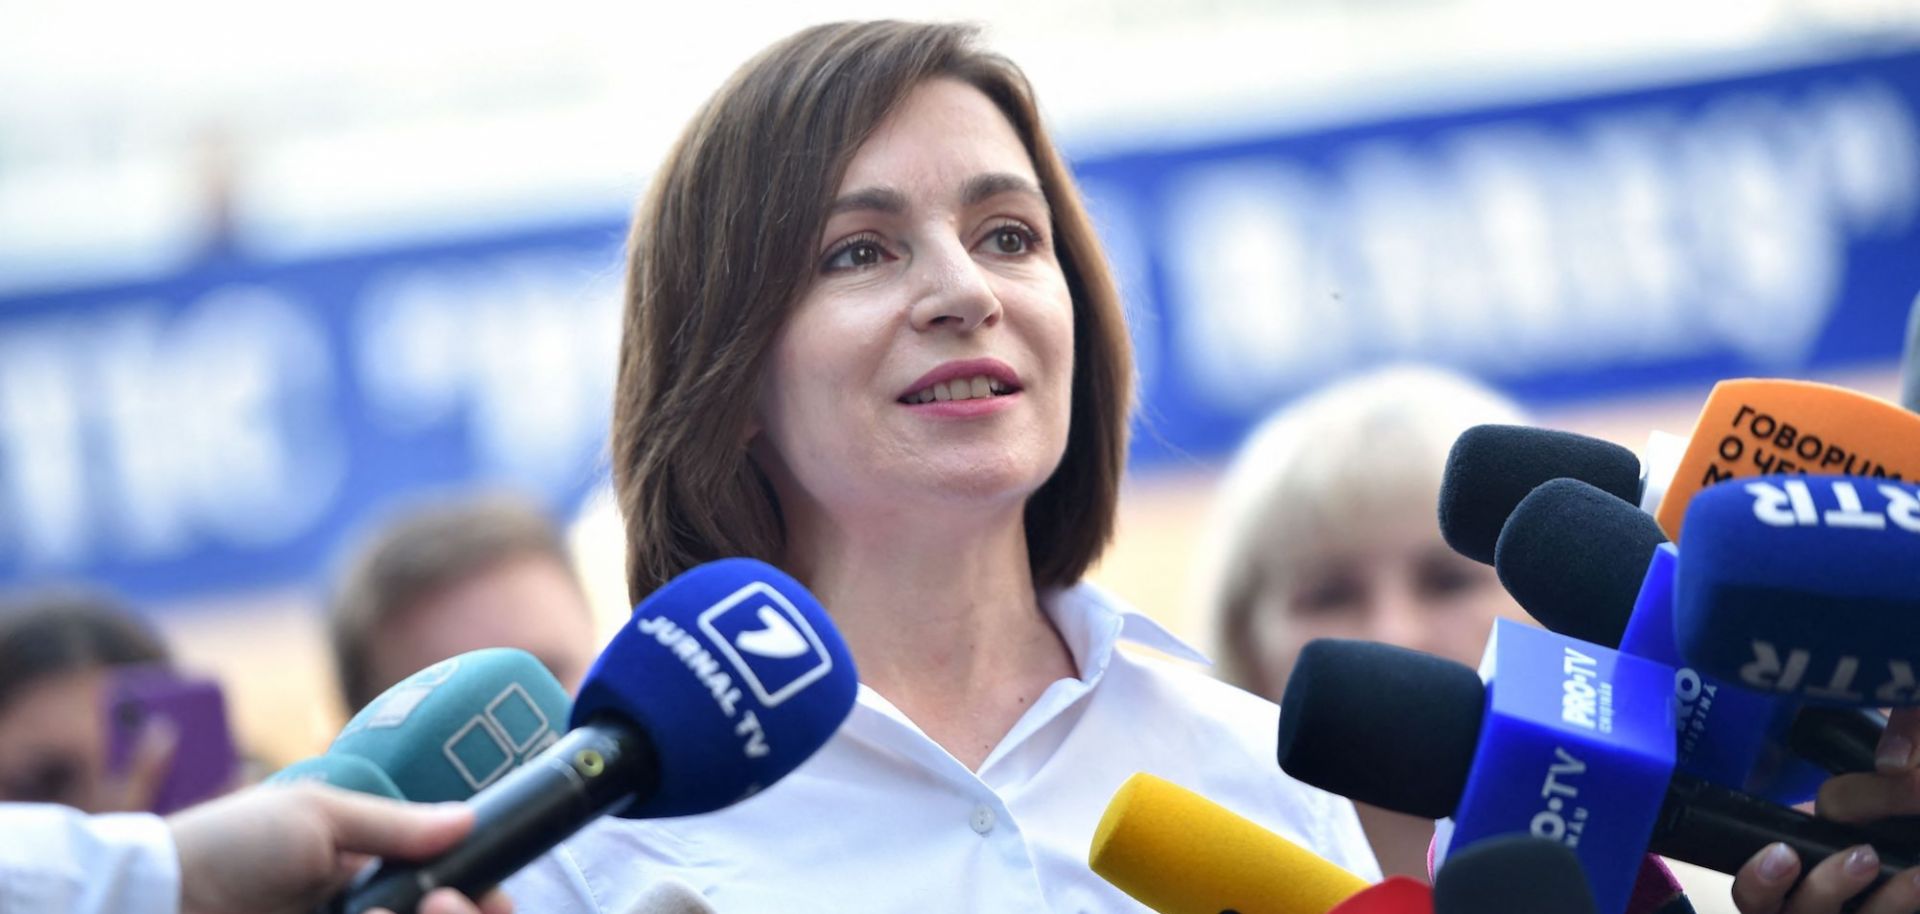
[724, 681]
[280, 850]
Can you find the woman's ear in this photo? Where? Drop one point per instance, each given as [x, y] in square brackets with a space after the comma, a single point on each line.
[751, 431]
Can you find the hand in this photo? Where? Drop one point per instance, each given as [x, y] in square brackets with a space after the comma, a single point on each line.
[1761, 887]
[287, 849]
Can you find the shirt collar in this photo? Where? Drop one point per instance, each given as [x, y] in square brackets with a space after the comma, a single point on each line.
[1092, 622]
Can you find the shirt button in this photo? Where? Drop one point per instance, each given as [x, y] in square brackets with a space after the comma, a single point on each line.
[983, 819]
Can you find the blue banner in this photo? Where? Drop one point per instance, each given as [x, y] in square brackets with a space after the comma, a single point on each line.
[1761, 225]
[225, 428]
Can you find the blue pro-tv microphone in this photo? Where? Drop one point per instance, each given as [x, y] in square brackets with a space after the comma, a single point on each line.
[1807, 586]
[1588, 565]
[1567, 741]
[724, 681]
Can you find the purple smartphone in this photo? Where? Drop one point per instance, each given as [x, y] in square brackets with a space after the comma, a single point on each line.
[204, 760]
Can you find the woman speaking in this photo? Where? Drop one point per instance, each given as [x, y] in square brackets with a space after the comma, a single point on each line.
[870, 338]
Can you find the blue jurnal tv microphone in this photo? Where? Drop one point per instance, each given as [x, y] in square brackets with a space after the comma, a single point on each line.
[1566, 740]
[1807, 586]
[723, 682]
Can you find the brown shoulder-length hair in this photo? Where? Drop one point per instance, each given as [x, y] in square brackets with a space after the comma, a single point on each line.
[724, 242]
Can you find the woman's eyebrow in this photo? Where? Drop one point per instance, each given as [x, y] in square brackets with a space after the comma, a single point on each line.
[977, 189]
[992, 184]
[881, 199]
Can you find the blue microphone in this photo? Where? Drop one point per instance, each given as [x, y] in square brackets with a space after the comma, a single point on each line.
[1586, 564]
[1566, 741]
[448, 731]
[723, 681]
[1805, 586]
[345, 772]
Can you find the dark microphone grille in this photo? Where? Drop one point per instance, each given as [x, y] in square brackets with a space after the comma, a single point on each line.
[1381, 724]
[1492, 467]
[1574, 556]
[1512, 874]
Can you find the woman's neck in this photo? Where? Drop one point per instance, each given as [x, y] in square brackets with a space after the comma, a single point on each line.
[942, 619]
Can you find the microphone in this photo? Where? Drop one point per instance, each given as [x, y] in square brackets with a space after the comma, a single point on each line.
[1765, 426]
[1588, 565]
[1178, 852]
[346, 772]
[1566, 741]
[1490, 468]
[725, 680]
[1910, 362]
[1805, 586]
[450, 730]
[1513, 874]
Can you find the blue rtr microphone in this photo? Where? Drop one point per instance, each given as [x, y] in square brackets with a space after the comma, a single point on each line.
[1588, 565]
[723, 682]
[1807, 586]
[1566, 741]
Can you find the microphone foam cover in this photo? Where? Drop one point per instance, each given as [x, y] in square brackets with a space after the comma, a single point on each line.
[1513, 874]
[1381, 724]
[455, 727]
[735, 673]
[1492, 467]
[346, 772]
[1178, 852]
[1806, 586]
[1574, 557]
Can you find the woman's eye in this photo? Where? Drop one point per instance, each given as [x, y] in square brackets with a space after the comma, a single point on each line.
[855, 255]
[1010, 239]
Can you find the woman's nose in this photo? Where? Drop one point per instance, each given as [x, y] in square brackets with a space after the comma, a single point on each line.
[952, 290]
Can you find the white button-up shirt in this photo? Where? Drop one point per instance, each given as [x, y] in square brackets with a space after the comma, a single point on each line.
[884, 819]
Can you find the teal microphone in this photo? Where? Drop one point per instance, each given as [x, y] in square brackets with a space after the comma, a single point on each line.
[347, 772]
[455, 727]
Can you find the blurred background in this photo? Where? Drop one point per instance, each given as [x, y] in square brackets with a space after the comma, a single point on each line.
[271, 272]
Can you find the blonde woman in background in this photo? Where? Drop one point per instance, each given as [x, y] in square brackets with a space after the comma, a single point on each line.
[1326, 528]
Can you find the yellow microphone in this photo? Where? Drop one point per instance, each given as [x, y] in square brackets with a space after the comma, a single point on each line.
[1760, 426]
[1178, 852]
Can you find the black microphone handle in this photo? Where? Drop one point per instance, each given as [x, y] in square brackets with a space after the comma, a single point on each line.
[1839, 740]
[1720, 829]
[590, 771]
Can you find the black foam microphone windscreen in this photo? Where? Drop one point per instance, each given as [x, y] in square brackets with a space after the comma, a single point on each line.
[1597, 548]
[1419, 763]
[1492, 467]
[1518, 874]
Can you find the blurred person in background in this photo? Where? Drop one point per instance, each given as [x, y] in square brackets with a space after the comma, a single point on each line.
[58, 652]
[1325, 527]
[453, 577]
